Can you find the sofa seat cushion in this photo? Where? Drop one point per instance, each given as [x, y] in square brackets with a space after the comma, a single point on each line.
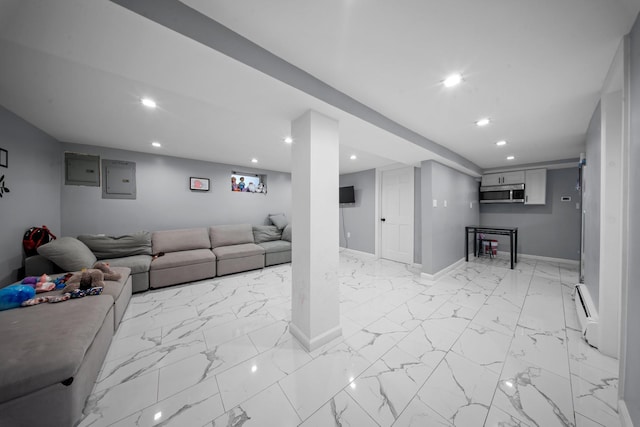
[238, 251]
[276, 246]
[182, 258]
[46, 344]
[115, 287]
[180, 240]
[137, 263]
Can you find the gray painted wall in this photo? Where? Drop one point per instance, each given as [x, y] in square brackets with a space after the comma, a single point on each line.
[33, 177]
[359, 218]
[591, 205]
[632, 369]
[164, 200]
[417, 215]
[443, 228]
[551, 230]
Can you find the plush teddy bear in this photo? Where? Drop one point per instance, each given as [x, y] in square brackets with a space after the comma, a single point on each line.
[109, 273]
[85, 279]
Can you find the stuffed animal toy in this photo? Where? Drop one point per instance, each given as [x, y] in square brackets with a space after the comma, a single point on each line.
[45, 284]
[109, 274]
[85, 279]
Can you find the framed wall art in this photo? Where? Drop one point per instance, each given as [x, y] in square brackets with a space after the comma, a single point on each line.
[4, 158]
[198, 184]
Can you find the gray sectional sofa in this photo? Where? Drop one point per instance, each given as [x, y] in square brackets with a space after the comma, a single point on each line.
[52, 353]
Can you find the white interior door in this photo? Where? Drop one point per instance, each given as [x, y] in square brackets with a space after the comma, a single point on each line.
[396, 214]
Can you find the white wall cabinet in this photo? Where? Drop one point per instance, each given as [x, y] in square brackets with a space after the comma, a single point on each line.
[503, 178]
[535, 187]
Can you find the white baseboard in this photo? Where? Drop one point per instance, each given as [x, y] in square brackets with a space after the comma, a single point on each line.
[623, 413]
[311, 344]
[439, 274]
[542, 258]
[357, 253]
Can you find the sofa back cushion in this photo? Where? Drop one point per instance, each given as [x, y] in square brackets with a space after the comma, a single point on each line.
[180, 240]
[104, 247]
[227, 235]
[286, 233]
[266, 233]
[68, 253]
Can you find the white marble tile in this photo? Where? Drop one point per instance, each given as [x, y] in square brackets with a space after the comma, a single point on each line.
[133, 344]
[236, 328]
[195, 406]
[499, 314]
[453, 317]
[582, 354]
[363, 315]
[547, 350]
[499, 418]
[248, 378]
[547, 269]
[271, 336]
[595, 395]
[429, 342]
[471, 296]
[376, 339]
[204, 365]
[267, 408]
[137, 326]
[533, 395]
[459, 390]
[419, 414]
[186, 328]
[105, 407]
[416, 310]
[484, 346]
[126, 369]
[385, 389]
[341, 410]
[582, 421]
[314, 384]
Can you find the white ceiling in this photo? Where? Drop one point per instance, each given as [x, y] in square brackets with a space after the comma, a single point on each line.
[77, 70]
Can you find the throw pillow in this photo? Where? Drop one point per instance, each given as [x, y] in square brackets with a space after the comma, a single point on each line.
[286, 233]
[68, 253]
[279, 220]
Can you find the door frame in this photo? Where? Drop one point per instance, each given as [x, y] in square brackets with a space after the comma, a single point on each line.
[378, 207]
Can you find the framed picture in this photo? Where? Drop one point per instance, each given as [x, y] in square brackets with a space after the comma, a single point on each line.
[4, 158]
[198, 184]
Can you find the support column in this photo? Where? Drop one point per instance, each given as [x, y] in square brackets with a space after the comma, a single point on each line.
[315, 308]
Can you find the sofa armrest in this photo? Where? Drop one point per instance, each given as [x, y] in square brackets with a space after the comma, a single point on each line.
[37, 265]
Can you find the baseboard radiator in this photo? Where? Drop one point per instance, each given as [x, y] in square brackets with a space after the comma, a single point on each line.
[587, 314]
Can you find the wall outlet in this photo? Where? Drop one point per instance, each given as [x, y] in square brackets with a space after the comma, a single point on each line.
[445, 203]
[348, 234]
[435, 203]
[470, 205]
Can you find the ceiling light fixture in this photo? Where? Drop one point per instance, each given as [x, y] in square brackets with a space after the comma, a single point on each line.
[254, 160]
[483, 122]
[511, 157]
[452, 80]
[501, 143]
[288, 140]
[148, 102]
[156, 144]
[353, 157]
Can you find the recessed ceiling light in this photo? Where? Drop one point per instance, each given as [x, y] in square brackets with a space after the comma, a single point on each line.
[452, 80]
[288, 140]
[511, 157]
[483, 122]
[501, 143]
[254, 160]
[353, 157]
[148, 102]
[156, 144]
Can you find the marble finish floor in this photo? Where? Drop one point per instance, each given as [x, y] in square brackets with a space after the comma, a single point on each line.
[483, 345]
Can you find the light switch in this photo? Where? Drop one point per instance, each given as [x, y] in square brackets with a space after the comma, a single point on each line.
[435, 203]
[445, 203]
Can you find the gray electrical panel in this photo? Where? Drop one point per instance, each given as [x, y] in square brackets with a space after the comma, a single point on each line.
[81, 169]
[119, 179]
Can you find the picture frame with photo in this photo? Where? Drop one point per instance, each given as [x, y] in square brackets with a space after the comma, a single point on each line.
[4, 158]
[199, 184]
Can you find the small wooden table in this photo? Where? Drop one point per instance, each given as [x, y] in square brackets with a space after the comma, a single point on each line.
[512, 232]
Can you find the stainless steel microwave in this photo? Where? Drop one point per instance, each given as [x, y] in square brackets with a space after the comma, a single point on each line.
[502, 194]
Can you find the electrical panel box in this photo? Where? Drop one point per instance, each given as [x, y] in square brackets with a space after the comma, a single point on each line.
[119, 179]
[81, 169]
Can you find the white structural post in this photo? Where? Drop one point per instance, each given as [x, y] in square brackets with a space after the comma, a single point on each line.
[315, 304]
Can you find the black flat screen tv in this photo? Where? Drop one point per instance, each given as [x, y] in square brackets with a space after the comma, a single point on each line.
[347, 195]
